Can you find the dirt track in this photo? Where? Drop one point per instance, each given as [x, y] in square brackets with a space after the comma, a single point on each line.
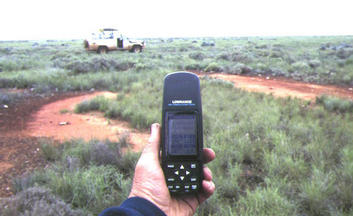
[280, 87]
[23, 124]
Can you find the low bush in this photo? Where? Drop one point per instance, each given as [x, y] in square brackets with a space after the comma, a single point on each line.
[197, 56]
[7, 98]
[238, 68]
[99, 103]
[37, 201]
[98, 64]
[19, 64]
[195, 67]
[49, 150]
[89, 176]
[213, 67]
[335, 104]
[316, 195]
[265, 201]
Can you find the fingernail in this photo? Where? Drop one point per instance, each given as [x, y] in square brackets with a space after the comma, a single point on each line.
[208, 184]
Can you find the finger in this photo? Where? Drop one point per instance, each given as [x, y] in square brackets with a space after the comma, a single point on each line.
[208, 155]
[154, 140]
[207, 174]
[194, 201]
[208, 189]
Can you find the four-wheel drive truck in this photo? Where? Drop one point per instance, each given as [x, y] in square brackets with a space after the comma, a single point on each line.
[110, 39]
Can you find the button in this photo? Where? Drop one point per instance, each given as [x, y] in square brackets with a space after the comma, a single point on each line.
[194, 187]
[182, 178]
[187, 172]
[171, 179]
[170, 165]
[170, 186]
[193, 166]
[181, 167]
[187, 186]
[176, 172]
[177, 187]
[193, 179]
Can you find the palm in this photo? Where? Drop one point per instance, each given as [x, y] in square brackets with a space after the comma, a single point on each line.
[151, 182]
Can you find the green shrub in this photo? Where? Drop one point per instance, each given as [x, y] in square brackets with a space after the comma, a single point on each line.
[335, 104]
[265, 202]
[345, 181]
[197, 56]
[238, 68]
[19, 63]
[213, 67]
[90, 176]
[194, 67]
[37, 201]
[99, 103]
[98, 64]
[317, 193]
[91, 188]
[49, 150]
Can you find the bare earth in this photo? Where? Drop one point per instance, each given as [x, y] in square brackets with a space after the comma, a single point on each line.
[280, 87]
[22, 125]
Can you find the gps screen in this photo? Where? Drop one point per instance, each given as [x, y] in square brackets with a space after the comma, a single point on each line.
[182, 134]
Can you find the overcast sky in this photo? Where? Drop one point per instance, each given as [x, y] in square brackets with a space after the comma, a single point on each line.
[75, 19]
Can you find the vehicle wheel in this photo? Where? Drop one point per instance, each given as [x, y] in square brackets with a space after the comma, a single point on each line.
[102, 50]
[136, 49]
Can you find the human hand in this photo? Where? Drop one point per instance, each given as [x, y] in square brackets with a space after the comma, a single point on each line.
[149, 181]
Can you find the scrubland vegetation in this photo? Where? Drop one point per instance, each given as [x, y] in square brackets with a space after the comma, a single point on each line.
[274, 156]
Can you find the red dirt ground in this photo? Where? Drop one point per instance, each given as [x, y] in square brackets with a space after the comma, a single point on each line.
[23, 124]
[280, 87]
[49, 121]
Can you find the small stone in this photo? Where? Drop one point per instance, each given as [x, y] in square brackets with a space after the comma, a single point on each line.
[267, 78]
[350, 89]
[64, 123]
[5, 106]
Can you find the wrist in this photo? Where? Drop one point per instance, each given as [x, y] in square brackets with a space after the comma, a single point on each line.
[143, 206]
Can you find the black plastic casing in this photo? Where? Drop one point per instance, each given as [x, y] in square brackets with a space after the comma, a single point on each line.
[181, 96]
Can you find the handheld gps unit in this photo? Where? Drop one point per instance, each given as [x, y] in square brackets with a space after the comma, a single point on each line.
[181, 136]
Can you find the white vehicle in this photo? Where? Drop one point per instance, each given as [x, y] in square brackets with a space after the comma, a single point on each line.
[110, 39]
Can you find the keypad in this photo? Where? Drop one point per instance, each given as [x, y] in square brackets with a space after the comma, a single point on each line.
[183, 177]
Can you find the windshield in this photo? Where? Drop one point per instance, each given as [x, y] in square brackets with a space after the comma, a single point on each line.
[105, 35]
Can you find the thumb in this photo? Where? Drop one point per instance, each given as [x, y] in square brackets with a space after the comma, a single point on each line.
[152, 146]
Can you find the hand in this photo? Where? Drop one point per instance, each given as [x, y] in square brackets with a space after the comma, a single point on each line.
[149, 182]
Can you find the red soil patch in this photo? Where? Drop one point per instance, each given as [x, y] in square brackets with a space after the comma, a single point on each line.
[58, 121]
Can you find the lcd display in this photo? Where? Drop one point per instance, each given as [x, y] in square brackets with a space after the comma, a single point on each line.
[182, 134]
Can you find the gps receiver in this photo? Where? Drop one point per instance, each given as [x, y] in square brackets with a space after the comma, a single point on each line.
[181, 136]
